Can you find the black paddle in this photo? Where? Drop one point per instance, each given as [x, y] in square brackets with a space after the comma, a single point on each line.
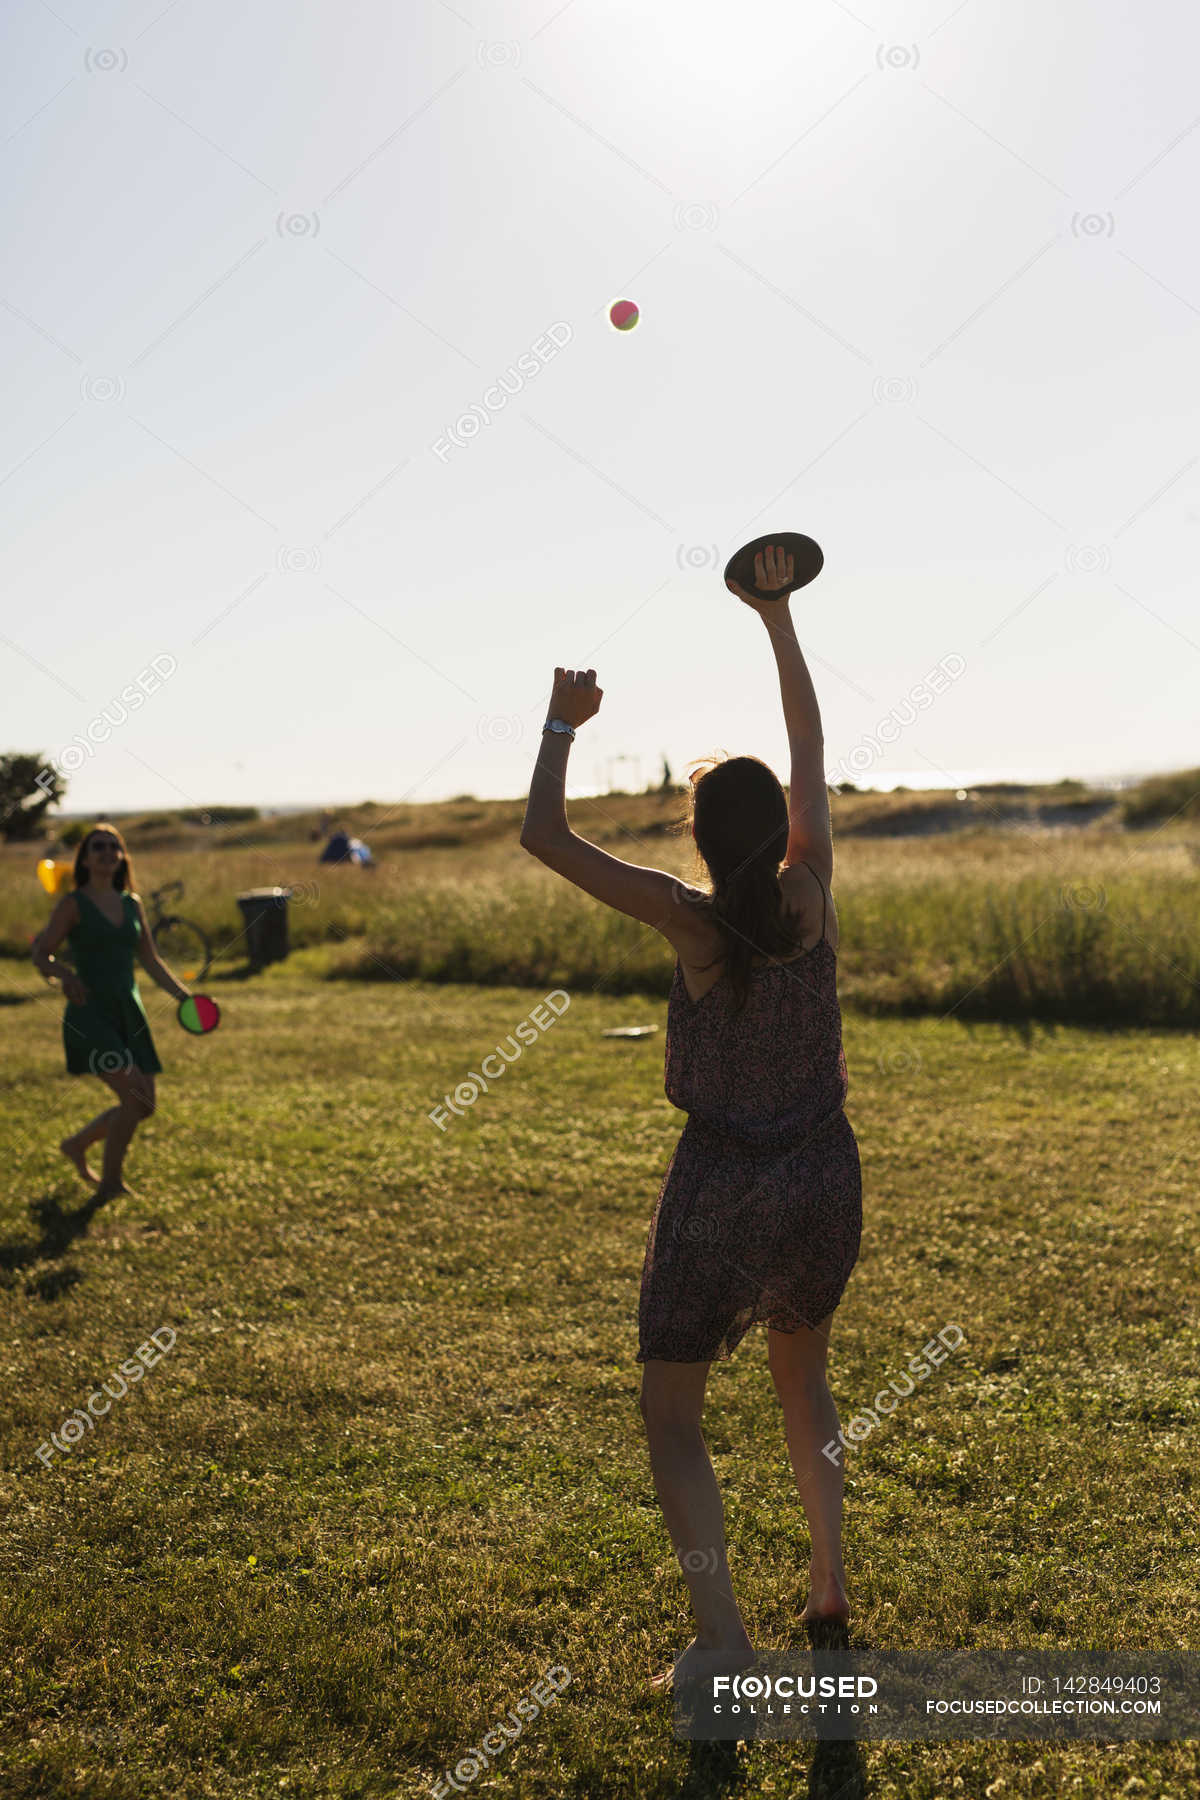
[807, 562]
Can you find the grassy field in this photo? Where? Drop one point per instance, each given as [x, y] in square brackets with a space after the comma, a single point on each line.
[392, 1466]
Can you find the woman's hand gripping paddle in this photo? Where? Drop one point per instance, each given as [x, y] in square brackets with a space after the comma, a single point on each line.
[773, 567]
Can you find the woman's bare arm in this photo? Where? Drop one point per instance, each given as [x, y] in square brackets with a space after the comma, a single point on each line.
[61, 920]
[810, 835]
[152, 962]
[801, 713]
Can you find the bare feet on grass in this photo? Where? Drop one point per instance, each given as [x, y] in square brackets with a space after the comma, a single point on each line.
[76, 1155]
[105, 1191]
[699, 1661]
[826, 1597]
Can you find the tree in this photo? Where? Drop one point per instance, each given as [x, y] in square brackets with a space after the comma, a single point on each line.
[28, 786]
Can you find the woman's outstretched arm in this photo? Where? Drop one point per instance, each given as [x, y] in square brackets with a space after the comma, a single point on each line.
[654, 896]
[152, 962]
[810, 836]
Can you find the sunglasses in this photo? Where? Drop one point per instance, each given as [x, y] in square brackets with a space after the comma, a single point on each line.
[105, 844]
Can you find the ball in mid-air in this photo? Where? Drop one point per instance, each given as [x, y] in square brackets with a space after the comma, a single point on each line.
[623, 314]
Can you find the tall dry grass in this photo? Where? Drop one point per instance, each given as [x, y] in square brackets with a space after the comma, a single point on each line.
[1093, 925]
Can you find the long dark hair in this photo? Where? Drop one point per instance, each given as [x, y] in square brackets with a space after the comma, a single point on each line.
[738, 813]
[124, 875]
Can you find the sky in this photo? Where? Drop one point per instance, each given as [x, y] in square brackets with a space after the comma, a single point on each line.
[320, 451]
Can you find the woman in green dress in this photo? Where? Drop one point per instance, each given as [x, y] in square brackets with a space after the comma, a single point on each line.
[105, 1029]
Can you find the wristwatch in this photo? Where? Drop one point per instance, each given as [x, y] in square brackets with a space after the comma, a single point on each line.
[558, 725]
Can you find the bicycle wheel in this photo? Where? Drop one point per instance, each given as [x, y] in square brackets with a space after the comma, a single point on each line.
[183, 947]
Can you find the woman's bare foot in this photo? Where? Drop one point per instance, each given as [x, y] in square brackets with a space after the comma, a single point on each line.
[76, 1155]
[702, 1660]
[109, 1191]
[826, 1597]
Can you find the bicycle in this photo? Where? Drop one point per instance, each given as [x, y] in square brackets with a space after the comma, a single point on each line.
[180, 942]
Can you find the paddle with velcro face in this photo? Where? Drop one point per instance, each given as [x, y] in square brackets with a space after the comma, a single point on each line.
[198, 1014]
[808, 560]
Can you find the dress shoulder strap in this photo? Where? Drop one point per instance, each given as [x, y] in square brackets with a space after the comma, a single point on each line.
[817, 878]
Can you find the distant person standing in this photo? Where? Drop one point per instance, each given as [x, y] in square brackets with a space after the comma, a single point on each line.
[759, 1215]
[105, 1029]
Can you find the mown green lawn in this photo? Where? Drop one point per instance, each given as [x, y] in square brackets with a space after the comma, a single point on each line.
[393, 1467]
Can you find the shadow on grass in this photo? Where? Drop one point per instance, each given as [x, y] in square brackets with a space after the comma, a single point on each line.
[838, 1769]
[59, 1229]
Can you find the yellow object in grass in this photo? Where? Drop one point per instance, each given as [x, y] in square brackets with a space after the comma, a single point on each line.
[53, 876]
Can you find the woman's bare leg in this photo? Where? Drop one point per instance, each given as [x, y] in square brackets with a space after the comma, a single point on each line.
[135, 1092]
[672, 1400]
[74, 1147]
[797, 1363]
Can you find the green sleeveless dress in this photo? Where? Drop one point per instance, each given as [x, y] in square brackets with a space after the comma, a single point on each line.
[111, 1032]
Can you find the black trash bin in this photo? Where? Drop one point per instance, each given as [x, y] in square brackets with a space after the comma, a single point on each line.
[264, 915]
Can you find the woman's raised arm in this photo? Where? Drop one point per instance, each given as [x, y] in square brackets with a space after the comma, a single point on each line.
[810, 836]
[810, 833]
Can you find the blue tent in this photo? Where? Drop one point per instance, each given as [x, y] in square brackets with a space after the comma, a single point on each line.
[337, 849]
